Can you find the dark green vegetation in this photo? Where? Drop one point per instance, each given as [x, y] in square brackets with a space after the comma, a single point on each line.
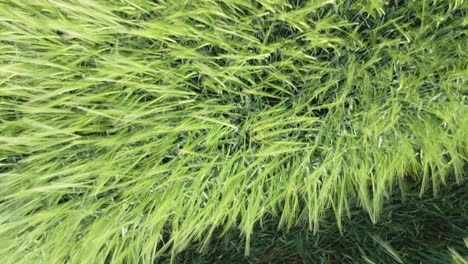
[414, 230]
[130, 130]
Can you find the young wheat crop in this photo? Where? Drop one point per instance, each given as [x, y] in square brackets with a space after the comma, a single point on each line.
[129, 129]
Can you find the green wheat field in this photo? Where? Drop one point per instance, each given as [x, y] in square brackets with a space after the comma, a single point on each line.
[233, 131]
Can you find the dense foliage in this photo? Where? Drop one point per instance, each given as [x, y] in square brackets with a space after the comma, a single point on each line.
[411, 230]
[133, 129]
